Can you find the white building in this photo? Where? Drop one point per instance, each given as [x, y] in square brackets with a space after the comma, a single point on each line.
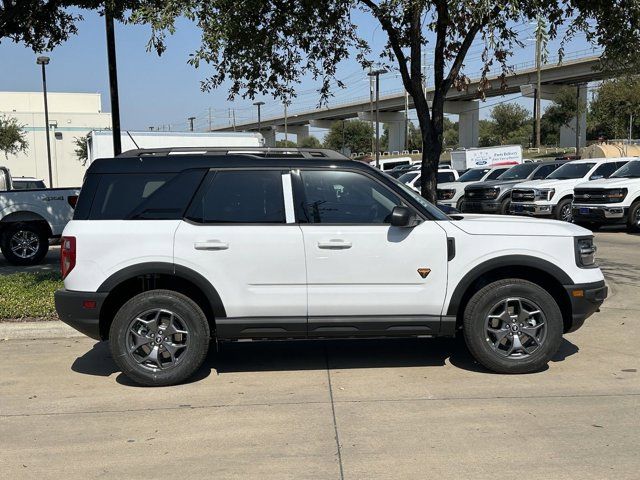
[71, 115]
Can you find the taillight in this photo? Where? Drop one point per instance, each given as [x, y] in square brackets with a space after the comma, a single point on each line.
[67, 255]
[72, 199]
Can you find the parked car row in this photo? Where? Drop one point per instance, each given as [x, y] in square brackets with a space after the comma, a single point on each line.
[591, 192]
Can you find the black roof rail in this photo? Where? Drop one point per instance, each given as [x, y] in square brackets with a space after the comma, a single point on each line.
[261, 152]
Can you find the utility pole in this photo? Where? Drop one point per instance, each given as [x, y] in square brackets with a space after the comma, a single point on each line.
[113, 82]
[209, 118]
[538, 81]
[44, 61]
[286, 136]
[578, 119]
[259, 104]
[377, 73]
[373, 140]
[191, 119]
[233, 111]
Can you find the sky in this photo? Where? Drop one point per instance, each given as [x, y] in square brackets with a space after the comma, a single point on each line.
[164, 91]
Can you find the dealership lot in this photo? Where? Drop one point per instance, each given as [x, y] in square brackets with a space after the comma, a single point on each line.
[340, 409]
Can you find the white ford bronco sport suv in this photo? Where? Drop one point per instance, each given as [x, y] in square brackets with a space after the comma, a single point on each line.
[609, 201]
[166, 252]
[552, 197]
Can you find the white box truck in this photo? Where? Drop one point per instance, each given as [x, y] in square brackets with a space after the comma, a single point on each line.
[467, 158]
[100, 142]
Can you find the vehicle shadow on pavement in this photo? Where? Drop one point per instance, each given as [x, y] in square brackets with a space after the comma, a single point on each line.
[314, 355]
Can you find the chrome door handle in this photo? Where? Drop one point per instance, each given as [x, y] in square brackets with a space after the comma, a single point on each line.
[211, 245]
[335, 244]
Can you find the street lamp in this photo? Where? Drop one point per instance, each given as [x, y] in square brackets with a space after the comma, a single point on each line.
[45, 61]
[259, 104]
[376, 73]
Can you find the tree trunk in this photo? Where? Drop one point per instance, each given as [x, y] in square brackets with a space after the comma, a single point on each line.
[430, 159]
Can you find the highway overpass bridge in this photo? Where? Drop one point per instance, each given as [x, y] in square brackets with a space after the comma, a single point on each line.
[577, 70]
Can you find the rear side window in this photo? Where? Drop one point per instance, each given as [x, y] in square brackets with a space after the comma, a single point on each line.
[138, 196]
[496, 173]
[240, 197]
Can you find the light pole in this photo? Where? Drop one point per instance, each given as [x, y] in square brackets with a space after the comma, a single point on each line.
[376, 73]
[113, 82]
[45, 61]
[259, 104]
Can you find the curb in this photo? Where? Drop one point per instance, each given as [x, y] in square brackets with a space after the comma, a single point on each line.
[37, 330]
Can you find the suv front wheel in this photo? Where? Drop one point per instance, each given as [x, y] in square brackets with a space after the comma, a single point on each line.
[159, 337]
[513, 326]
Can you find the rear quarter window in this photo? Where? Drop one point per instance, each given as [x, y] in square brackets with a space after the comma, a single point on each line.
[137, 196]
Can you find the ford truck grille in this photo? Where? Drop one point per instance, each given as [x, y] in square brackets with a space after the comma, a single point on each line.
[523, 195]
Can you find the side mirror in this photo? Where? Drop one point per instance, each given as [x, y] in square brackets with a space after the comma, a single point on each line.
[402, 217]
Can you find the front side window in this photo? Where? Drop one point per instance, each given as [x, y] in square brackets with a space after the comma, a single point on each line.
[604, 171]
[240, 197]
[496, 173]
[345, 198]
[446, 177]
[473, 175]
[544, 171]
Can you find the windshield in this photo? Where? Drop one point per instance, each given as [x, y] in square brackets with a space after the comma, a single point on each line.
[518, 172]
[630, 170]
[571, 170]
[408, 177]
[431, 208]
[473, 175]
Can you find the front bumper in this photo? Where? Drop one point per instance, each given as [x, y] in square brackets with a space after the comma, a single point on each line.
[80, 310]
[480, 207]
[585, 300]
[600, 213]
[531, 209]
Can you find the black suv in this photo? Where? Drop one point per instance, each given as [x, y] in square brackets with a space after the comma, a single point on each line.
[494, 196]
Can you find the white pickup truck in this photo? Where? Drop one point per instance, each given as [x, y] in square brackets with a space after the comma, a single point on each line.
[552, 197]
[29, 218]
[612, 200]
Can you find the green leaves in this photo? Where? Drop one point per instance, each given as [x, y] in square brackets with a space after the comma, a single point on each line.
[12, 136]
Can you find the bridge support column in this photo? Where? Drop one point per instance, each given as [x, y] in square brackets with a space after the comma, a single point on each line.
[568, 132]
[468, 121]
[300, 131]
[269, 135]
[395, 122]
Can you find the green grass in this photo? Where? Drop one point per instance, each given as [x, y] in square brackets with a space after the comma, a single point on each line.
[28, 295]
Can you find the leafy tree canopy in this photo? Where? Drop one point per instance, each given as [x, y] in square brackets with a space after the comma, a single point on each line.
[12, 136]
[355, 135]
[310, 142]
[614, 103]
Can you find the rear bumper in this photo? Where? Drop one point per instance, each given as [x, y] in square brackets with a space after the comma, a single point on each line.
[585, 299]
[73, 309]
[531, 209]
[600, 213]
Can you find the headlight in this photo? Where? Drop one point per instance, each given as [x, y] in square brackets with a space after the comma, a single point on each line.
[493, 193]
[446, 194]
[616, 195]
[585, 252]
[546, 193]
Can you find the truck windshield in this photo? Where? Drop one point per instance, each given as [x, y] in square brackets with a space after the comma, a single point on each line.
[473, 175]
[518, 172]
[630, 170]
[571, 170]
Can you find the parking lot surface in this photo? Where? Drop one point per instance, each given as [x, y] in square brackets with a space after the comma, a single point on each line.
[371, 409]
[51, 263]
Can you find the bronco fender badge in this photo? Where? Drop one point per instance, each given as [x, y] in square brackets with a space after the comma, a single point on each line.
[423, 272]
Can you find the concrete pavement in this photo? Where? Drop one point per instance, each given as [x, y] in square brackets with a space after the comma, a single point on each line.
[373, 409]
[50, 263]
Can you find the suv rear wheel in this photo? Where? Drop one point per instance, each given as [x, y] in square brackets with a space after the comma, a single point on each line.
[159, 337]
[513, 326]
[24, 243]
